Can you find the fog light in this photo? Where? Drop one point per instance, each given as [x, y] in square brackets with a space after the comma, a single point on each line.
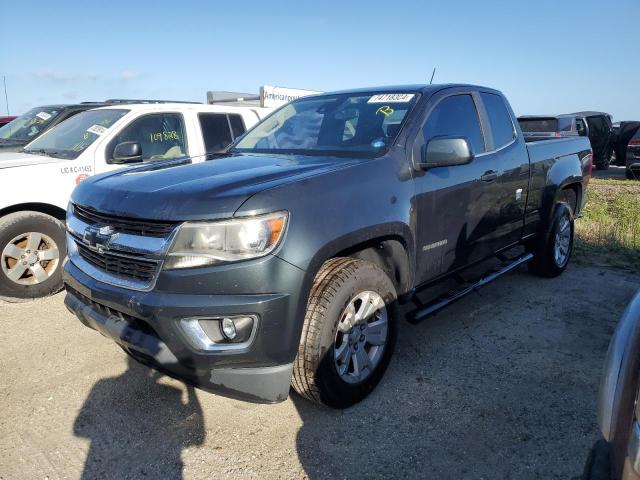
[220, 333]
[228, 328]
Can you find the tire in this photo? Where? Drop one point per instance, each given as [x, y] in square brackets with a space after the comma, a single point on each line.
[629, 174]
[41, 271]
[321, 373]
[602, 164]
[545, 261]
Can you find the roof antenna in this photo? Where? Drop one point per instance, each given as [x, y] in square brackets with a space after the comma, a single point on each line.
[6, 99]
[432, 75]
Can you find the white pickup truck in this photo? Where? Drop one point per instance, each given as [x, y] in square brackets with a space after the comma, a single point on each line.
[38, 181]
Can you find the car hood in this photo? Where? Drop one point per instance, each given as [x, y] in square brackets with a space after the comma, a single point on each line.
[17, 159]
[12, 145]
[179, 191]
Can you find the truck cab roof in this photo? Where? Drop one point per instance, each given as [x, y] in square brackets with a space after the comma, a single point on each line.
[417, 88]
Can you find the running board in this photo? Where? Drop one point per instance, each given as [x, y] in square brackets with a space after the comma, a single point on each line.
[424, 310]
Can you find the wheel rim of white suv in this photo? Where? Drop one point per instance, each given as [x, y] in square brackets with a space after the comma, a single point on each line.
[360, 337]
[30, 258]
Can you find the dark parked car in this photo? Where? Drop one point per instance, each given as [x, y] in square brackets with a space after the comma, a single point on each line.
[281, 261]
[5, 120]
[595, 125]
[29, 126]
[623, 132]
[617, 455]
[543, 127]
[632, 156]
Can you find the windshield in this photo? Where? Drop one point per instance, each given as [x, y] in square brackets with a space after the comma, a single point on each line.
[343, 124]
[28, 126]
[72, 137]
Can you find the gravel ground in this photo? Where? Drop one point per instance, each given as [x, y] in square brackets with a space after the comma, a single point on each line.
[502, 384]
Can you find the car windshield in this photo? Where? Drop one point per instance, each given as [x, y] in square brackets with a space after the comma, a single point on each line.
[342, 124]
[29, 125]
[71, 137]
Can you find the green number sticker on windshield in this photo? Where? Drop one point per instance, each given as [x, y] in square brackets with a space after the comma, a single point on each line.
[164, 136]
[386, 110]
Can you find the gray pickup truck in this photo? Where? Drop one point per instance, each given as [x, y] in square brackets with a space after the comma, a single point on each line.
[282, 261]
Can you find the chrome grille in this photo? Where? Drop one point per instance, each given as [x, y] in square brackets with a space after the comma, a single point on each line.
[124, 252]
[146, 228]
[119, 264]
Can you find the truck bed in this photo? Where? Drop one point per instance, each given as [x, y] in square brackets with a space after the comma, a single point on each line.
[542, 150]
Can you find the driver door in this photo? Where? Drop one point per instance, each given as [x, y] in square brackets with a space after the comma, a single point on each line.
[457, 207]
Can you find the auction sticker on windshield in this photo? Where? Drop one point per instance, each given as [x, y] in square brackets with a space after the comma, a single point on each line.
[43, 116]
[391, 98]
[97, 129]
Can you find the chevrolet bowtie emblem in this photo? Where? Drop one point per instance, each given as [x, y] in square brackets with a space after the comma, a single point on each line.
[99, 237]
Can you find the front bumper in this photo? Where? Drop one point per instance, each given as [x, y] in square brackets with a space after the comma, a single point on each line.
[147, 326]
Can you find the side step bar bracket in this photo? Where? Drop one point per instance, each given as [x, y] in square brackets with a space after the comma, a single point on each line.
[426, 309]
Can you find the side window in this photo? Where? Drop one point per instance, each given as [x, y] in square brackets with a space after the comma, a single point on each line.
[237, 125]
[499, 119]
[581, 127]
[455, 116]
[565, 124]
[160, 136]
[215, 131]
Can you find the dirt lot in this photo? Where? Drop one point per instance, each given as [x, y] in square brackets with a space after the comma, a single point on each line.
[501, 385]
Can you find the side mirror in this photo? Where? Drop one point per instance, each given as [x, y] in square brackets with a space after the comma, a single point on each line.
[127, 152]
[446, 152]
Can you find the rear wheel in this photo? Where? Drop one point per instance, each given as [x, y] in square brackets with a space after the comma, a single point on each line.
[553, 250]
[348, 335]
[32, 248]
[629, 174]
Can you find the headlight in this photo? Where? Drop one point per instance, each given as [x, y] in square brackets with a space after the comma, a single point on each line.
[208, 243]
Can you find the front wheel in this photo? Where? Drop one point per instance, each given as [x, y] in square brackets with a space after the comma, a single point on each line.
[32, 249]
[348, 335]
[553, 251]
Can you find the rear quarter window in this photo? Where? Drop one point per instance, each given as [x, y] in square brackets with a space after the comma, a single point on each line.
[499, 119]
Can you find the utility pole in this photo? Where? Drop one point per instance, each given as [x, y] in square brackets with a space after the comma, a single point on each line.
[432, 75]
[6, 99]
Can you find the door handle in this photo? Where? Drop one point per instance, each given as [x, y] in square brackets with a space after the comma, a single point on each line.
[489, 176]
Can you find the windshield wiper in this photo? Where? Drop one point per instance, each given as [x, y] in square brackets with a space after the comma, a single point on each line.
[40, 151]
[46, 153]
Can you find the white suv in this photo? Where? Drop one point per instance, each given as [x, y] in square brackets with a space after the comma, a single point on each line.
[37, 184]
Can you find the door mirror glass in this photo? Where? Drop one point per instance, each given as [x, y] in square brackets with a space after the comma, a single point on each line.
[127, 152]
[446, 152]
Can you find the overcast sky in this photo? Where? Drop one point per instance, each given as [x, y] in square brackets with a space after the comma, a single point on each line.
[546, 56]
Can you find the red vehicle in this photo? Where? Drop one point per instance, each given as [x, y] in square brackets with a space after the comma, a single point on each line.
[5, 120]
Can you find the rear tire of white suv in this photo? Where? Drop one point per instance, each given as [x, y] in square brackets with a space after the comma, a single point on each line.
[32, 249]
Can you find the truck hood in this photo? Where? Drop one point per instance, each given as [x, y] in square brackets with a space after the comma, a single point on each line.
[210, 190]
[16, 159]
